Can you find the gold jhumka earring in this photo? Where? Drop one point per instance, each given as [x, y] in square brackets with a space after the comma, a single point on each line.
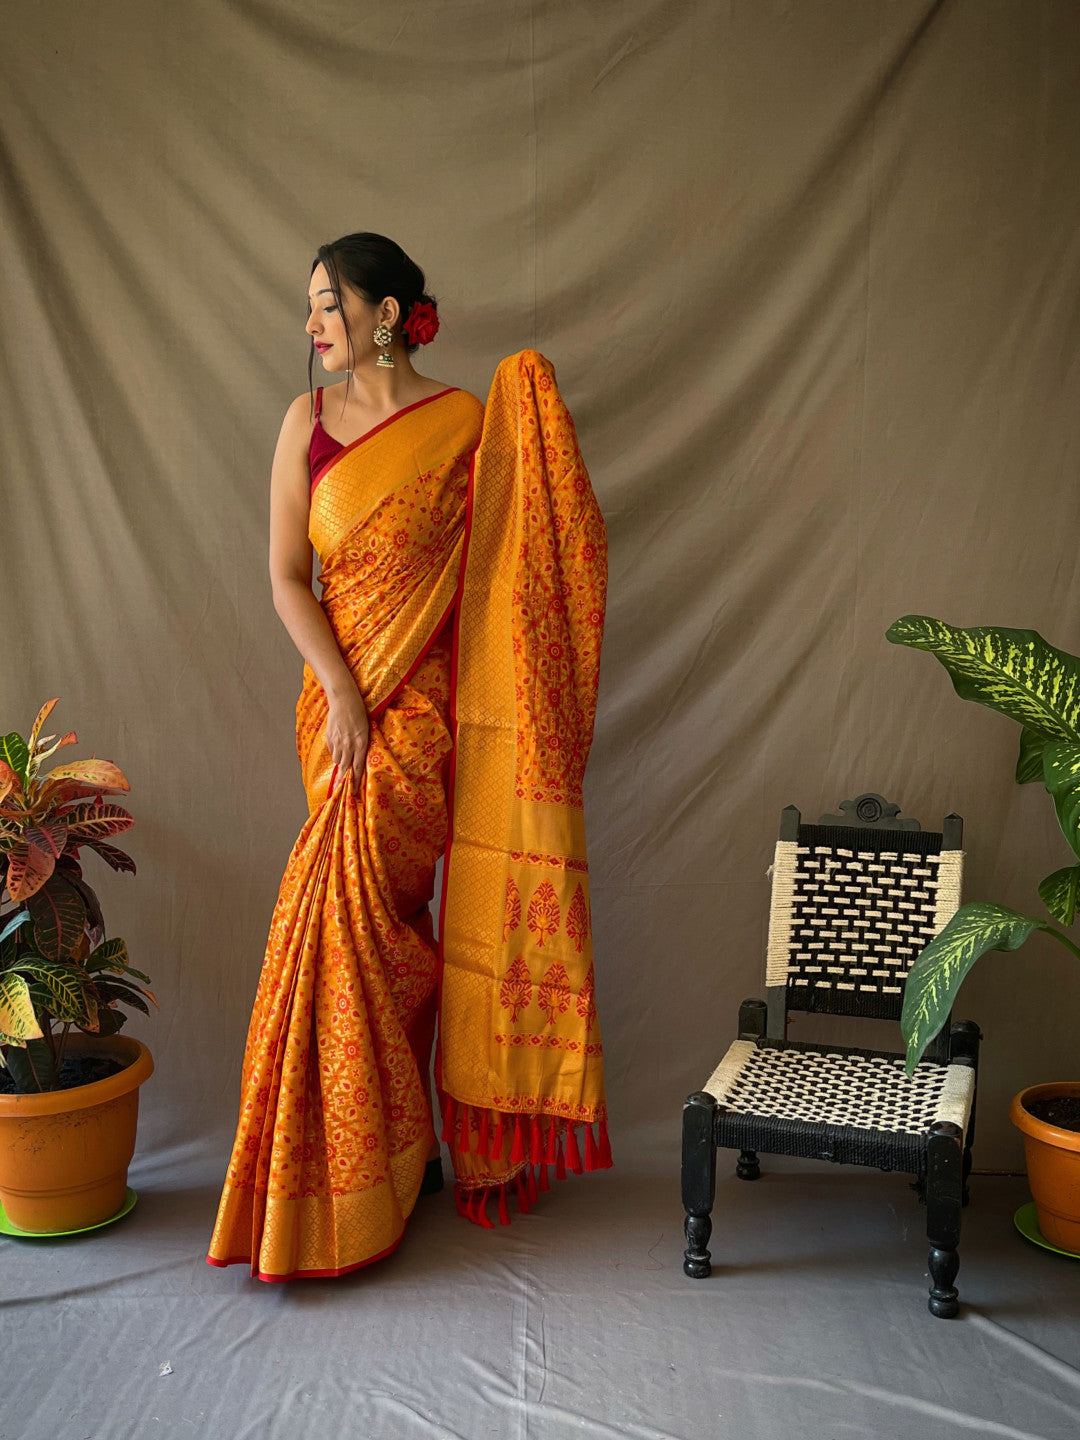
[383, 337]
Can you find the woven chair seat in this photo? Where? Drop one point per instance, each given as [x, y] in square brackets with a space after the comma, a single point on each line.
[824, 1098]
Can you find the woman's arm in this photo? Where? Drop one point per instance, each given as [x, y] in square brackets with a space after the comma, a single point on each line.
[294, 599]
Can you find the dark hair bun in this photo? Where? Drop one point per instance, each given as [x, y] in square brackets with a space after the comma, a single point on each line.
[375, 266]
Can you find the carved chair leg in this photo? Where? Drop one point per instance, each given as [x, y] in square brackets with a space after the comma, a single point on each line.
[698, 1181]
[747, 1167]
[944, 1190]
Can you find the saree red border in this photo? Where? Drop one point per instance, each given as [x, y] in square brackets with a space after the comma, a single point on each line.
[405, 410]
[451, 761]
[306, 1274]
[454, 649]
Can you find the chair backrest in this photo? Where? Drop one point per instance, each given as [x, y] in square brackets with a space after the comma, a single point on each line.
[853, 904]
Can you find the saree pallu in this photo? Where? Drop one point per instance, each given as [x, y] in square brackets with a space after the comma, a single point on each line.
[519, 1066]
[462, 569]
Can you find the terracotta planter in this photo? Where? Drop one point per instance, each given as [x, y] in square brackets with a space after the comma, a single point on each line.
[64, 1154]
[1053, 1165]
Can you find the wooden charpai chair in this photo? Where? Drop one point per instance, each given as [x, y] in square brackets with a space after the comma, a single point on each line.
[855, 898]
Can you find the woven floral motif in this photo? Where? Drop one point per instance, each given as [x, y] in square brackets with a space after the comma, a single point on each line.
[515, 992]
[512, 913]
[543, 914]
[577, 919]
[554, 997]
[586, 1000]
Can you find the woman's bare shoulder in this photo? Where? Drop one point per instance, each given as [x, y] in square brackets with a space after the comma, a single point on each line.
[300, 409]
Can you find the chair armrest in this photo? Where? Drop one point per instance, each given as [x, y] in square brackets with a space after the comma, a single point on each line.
[753, 1020]
[964, 1037]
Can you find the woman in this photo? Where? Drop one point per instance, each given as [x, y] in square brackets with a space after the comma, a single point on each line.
[447, 708]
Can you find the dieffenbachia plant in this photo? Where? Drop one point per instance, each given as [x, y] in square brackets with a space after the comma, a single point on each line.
[56, 966]
[1018, 673]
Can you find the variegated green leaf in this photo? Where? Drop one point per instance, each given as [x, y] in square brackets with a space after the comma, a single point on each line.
[1029, 763]
[17, 1018]
[123, 995]
[65, 991]
[1014, 671]
[16, 753]
[89, 1022]
[939, 970]
[1061, 771]
[1059, 891]
[109, 955]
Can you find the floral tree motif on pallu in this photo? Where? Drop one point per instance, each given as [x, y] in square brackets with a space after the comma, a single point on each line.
[554, 994]
[543, 916]
[577, 919]
[586, 1001]
[516, 989]
[512, 914]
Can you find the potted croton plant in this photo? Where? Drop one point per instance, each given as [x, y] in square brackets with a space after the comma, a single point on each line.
[69, 1083]
[1018, 673]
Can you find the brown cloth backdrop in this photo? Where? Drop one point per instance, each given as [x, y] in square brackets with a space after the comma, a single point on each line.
[808, 274]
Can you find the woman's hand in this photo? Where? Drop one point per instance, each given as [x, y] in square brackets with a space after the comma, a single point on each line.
[347, 732]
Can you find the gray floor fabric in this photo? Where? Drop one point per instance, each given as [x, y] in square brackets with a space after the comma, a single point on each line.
[576, 1321]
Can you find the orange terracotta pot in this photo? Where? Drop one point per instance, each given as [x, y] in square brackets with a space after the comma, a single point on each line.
[1053, 1165]
[64, 1154]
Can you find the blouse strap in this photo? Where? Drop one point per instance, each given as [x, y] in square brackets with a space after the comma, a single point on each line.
[318, 402]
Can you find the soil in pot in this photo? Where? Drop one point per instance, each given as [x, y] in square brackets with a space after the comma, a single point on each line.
[1060, 1110]
[74, 1070]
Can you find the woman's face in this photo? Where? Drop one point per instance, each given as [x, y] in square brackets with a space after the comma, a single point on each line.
[327, 326]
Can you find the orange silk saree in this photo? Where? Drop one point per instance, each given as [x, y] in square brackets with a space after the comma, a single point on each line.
[463, 566]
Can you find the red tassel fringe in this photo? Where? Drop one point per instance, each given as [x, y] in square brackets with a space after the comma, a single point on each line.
[539, 1142]
[517, 1150]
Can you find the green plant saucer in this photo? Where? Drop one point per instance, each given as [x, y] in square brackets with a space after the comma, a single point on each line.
[1026, 1221]
[7, 1228]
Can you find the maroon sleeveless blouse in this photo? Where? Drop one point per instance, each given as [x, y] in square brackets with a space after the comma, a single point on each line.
[323, 447]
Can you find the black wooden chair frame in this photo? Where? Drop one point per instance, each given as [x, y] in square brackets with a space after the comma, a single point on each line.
[939, 1156]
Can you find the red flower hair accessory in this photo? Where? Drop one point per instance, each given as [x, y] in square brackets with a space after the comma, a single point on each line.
[423, 323]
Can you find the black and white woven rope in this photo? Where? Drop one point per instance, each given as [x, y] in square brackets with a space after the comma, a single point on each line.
[853, 920]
